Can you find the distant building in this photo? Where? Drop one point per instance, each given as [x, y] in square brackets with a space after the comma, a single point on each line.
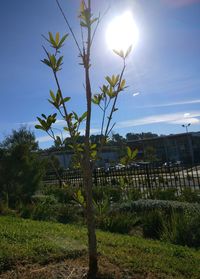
[179, 147]
[183, 147]
[109, 156]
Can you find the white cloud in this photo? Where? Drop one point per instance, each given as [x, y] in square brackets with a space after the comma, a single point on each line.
[171, 118]
[47, 138]
[191, 120]
[44, 139]
[189, 102]
[136, 94]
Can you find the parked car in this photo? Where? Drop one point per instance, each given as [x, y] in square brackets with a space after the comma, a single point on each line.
[119, 166]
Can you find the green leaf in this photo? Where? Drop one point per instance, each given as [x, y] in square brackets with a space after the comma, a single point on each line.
[119, 53]
[122, 85]
[57, 38]
[59, 63]
[83, 24]
[134, 153]
[93, 20]
[128, 51]
[93, 154]
[65, 100]
[52, 59]
[75, 115]
[52, 41]
[39, 127]
[52, 95]
[58, 141]
[80, 198]
[51, 37]
[129, 152]
[93, 146]
[62, 40]
[109, 80]
[53, 103]
[82, 6]
[83, 116]
[46, 62]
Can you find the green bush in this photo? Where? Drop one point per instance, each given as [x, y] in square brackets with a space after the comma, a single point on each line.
[164, 194]
[63, 194]
[26, 210]
[182, 229]
[189, 195]
[117, 222]
[149, 205]
[6, 211]
[46, 208]
[113, 193]
[70, 213]
[134, 194]
[153, 224]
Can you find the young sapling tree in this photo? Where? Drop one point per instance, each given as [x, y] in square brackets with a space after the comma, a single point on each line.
[85, 153]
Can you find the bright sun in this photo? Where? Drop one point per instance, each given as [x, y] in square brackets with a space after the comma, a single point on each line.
[122, 32]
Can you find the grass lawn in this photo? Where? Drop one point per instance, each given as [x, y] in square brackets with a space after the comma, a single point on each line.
[26, 241]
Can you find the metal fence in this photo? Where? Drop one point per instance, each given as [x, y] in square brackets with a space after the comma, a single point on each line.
[146, 178]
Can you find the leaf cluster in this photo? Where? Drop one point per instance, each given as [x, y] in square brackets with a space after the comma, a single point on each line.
[123, 54]
[85, 16]
[130, 156]
[56, 42]
[57, 100]
[46, 122]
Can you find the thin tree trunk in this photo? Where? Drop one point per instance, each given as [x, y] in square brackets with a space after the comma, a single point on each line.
[87, 168]
[92, 243]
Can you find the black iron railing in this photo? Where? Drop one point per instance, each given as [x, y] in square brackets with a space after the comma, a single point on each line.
[146, 177]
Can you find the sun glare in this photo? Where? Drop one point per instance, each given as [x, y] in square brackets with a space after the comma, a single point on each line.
[122, 32]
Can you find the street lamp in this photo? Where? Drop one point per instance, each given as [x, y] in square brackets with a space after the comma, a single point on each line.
[189, 142]
[186, 126]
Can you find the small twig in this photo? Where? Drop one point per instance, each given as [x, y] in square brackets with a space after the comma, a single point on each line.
[98, 22]
[71, 273]
[111, 129]
[69, 26]
[115, 100]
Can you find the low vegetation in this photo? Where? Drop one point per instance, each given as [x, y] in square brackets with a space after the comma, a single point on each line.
[27, 241]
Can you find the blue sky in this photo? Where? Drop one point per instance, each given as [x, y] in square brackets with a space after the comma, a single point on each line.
[163, 72]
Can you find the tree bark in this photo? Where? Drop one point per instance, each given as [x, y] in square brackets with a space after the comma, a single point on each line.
[92, 243]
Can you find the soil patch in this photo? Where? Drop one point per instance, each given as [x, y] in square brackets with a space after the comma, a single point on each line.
[69, 269]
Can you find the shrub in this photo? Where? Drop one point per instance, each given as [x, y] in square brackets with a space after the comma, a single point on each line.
[134, 194]
[63, 194]
[189, 195]
[148, 205]
[183, 229]
[69, 213]
[46, 208]
[164, 194]
[117, 222]
[153, 224]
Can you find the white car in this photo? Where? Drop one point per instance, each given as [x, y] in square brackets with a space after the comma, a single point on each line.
[119, 167]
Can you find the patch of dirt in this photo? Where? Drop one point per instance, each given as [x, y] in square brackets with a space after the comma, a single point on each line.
[70, 269]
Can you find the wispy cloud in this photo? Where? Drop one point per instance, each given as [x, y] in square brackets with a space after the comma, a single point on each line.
[171, 118]
[47, 138]
[180, 3]
[189, 102]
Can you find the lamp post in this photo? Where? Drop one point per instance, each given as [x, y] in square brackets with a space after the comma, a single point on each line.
[189, 142]
[186, 126]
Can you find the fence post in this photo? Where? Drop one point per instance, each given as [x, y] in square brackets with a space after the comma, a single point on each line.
[95, 176]
[148, 177]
